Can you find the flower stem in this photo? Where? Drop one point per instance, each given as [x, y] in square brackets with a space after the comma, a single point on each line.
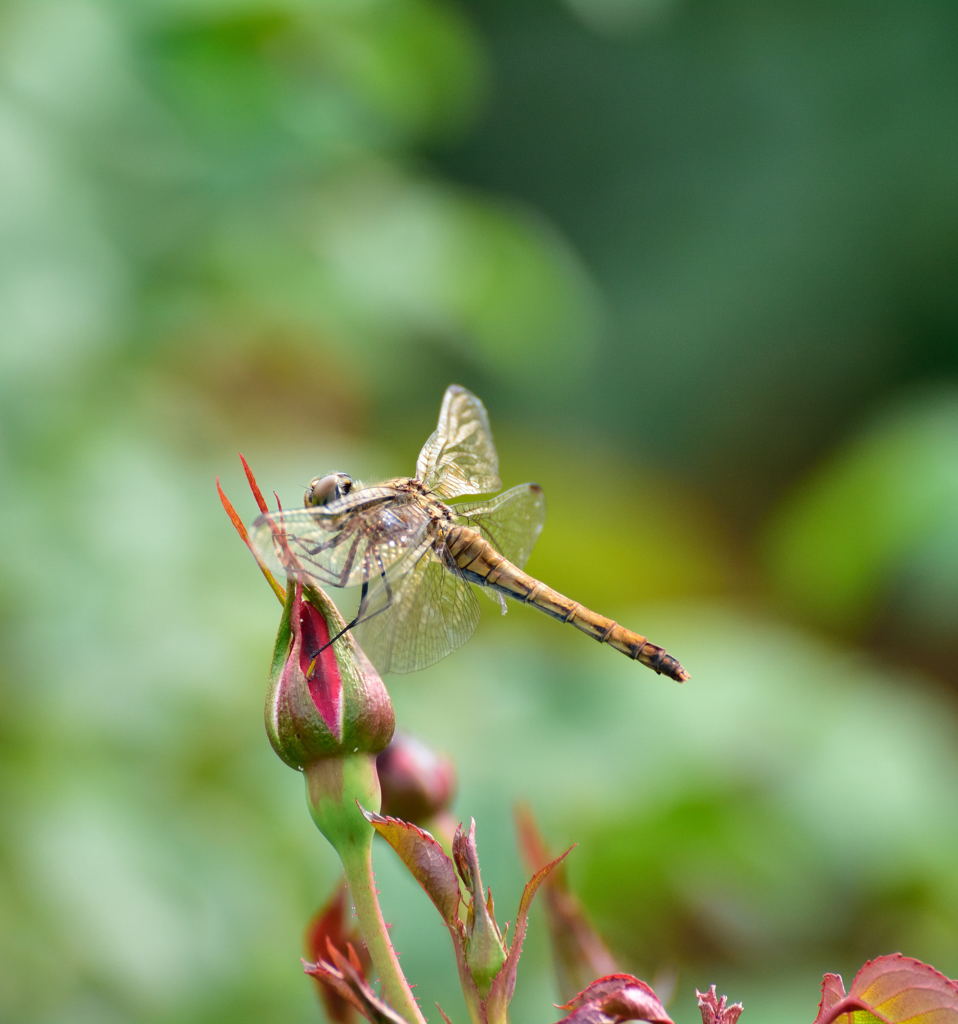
[335, 788]
[358, 866]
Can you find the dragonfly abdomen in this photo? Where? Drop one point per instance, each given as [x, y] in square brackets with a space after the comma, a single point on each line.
[479, 562]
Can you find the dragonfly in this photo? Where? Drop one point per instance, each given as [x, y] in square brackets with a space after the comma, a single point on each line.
[416, 552]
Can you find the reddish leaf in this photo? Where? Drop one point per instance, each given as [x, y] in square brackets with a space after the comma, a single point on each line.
[254, 486]
[426, 860]
[578, 951]
[504, 983]
[717, 1010]
[833, 990]
[890, 989]
[343, 974]
[329, 928]
[238, 525]
[614, 999]
[436, 873]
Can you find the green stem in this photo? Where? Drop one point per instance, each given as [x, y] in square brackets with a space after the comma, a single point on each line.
[335, 789]
[473, 1002]
[358, 866]
[497, 1012]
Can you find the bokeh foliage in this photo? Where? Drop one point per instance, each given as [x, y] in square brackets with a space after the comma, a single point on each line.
[697, 259]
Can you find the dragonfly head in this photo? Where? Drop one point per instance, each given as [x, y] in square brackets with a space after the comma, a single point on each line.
[325, 489]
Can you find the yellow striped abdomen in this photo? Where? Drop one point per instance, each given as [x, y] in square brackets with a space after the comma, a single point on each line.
[473, 556]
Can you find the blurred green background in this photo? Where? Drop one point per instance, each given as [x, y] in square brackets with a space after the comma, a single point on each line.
[699, 261]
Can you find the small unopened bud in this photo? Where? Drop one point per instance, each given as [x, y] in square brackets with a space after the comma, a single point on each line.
[324, 701]
[484, 949]
[417, 783]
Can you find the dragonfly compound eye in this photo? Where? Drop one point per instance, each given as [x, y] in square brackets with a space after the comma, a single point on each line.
[325, 489]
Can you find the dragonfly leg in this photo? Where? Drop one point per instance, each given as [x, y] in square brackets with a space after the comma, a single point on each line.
[362, 612]
[327, 576]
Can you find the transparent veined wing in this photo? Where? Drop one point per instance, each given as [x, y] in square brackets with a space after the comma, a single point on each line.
[459, 456]
[428, 612]
[511, 522]
[357, 538]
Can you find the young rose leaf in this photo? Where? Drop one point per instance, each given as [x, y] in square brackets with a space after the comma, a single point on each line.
[578, 952]
[833, 990]
[329, 927]
[613, 1000]
[436, 873]
[504, 983]
[344, 975]
[426, 861]
[717, 1010]
[890, 990]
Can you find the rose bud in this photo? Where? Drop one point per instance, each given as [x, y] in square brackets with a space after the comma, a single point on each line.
[417, 783]
[324, 701]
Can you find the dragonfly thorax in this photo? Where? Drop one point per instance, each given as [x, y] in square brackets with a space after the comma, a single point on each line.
[324, 489]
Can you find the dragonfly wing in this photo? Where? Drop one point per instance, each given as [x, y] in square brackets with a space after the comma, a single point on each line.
[511, 521]
[429, 612]
[459, 457]
[342, 544]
